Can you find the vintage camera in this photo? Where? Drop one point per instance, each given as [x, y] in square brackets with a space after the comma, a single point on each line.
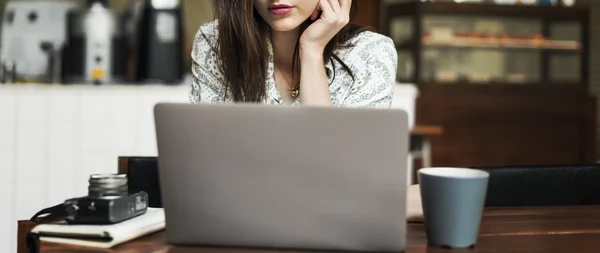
[108, 202]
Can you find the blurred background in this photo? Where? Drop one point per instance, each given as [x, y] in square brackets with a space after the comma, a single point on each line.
[485, 82]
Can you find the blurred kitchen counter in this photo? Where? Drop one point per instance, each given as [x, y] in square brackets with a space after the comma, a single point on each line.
[88, 87]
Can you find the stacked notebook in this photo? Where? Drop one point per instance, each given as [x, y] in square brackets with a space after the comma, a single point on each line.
[103, 236]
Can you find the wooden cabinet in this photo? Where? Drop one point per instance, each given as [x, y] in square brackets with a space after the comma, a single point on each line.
[508, 83]
[508, 128]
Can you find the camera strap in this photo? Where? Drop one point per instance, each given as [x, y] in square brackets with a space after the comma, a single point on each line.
[49, 215]
[54, 213]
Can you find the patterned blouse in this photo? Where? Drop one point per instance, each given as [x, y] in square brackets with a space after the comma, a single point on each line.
[373, 60]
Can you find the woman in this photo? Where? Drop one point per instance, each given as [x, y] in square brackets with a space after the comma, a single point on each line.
[291, 52]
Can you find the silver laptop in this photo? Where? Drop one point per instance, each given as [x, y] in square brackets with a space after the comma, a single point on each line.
[283, 177]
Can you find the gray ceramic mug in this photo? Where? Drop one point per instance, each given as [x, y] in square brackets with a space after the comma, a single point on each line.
[453, 200]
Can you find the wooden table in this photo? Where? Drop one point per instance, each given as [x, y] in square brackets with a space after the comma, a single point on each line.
[426, 130]
[533, 229]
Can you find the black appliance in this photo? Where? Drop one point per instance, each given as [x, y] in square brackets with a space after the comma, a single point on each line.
[96, 50]
[160, 42]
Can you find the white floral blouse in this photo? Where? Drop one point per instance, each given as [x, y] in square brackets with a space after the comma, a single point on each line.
[373, 60]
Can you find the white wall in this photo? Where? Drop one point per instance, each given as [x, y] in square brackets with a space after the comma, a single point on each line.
[52, 138]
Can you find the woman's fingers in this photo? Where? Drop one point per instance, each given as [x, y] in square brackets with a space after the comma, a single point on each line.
[342, 17]
[328, 12]
[333, 12]
[335, 5]
[315, 15]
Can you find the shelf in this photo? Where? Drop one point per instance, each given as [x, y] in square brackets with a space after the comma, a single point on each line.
[556, 46]
[557, 88]
[555, 13]
[500, 83]
[518, 44]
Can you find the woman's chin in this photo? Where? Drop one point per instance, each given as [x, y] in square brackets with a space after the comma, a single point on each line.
[285, 25]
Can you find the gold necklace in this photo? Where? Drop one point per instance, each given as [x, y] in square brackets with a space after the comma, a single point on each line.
[295, 91]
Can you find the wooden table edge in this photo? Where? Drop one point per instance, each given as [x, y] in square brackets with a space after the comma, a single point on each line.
[428, 130]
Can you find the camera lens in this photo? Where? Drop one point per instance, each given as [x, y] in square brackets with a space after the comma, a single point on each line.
[103, 186]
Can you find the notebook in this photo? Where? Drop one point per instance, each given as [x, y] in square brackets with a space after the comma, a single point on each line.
[103, 236]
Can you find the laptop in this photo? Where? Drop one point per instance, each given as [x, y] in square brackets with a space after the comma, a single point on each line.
[273, 177]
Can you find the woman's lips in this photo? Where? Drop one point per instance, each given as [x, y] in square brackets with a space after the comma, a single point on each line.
[280, 9]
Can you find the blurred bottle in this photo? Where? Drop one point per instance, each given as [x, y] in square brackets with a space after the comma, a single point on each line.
[160, 42]
[97, 46]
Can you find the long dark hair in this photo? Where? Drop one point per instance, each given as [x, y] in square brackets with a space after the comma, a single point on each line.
[243, 48]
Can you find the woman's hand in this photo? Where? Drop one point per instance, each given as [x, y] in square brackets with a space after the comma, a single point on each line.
[335, 14]
[314, 86]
